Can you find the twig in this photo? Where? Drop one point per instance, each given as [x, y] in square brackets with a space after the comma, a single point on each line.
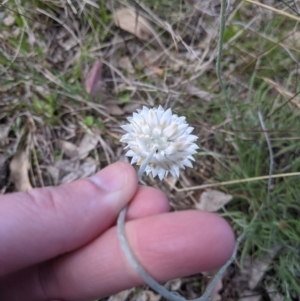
[232, 182]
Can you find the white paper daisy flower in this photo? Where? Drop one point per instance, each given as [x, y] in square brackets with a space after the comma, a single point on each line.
[168, 134]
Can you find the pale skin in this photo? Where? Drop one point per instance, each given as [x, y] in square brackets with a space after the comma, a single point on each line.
[61, 243]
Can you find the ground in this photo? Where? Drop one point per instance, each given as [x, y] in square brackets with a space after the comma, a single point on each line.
[72, 71]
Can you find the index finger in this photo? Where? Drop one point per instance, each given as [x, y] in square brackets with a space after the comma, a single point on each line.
[168, 246]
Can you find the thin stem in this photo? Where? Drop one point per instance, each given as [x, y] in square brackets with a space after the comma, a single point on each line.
[221, 41]
[220, 52]
[137, 266]
[232, 182]
[152, 282]
[222, 270]
[271, 155]
[144, 274]
[145, 163]
[129, 254]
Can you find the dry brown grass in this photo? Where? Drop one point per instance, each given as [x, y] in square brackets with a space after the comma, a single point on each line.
[70, 127]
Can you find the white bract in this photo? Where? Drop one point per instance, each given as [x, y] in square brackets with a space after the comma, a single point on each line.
[168, 134]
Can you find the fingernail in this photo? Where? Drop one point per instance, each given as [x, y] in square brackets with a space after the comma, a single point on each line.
[111, 178]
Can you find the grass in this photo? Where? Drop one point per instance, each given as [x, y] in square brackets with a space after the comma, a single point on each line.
[50, 47]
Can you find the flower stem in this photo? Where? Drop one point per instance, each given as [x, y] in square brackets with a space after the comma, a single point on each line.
[128, 252]
[144, 274]
[152, 282]
[137, 266]
[145, 163]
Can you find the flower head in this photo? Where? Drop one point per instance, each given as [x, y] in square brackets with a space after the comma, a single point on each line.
[168, 134]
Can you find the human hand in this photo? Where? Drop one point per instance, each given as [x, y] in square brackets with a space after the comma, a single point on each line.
[61, 243]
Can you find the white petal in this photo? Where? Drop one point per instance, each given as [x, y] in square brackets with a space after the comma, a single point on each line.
[178, 162]
[191, 138]
[166, 118]
[187, 163]
[175, 171]
[161, 173]
[130, 153]
[146, 130]
[170, 130]
[156, 131]
[181, 119]
[127, 127]
[189, 130]
[159, 128]
[161, 161]
[134, 159]
[148, 170]
[180, 130]
[145, 109]
[160, 112]
[136, 128]
[155, 171]
[191, 158]
[152, 119]
[137, 118]
[126, 138]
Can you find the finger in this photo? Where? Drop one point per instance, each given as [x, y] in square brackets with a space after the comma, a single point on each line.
[46, 222]
[147, 201]
[168, 246]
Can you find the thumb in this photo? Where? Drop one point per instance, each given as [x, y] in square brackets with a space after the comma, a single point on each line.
[47, 222]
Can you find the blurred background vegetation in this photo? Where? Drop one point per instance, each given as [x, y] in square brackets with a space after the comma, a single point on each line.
[71, 72]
